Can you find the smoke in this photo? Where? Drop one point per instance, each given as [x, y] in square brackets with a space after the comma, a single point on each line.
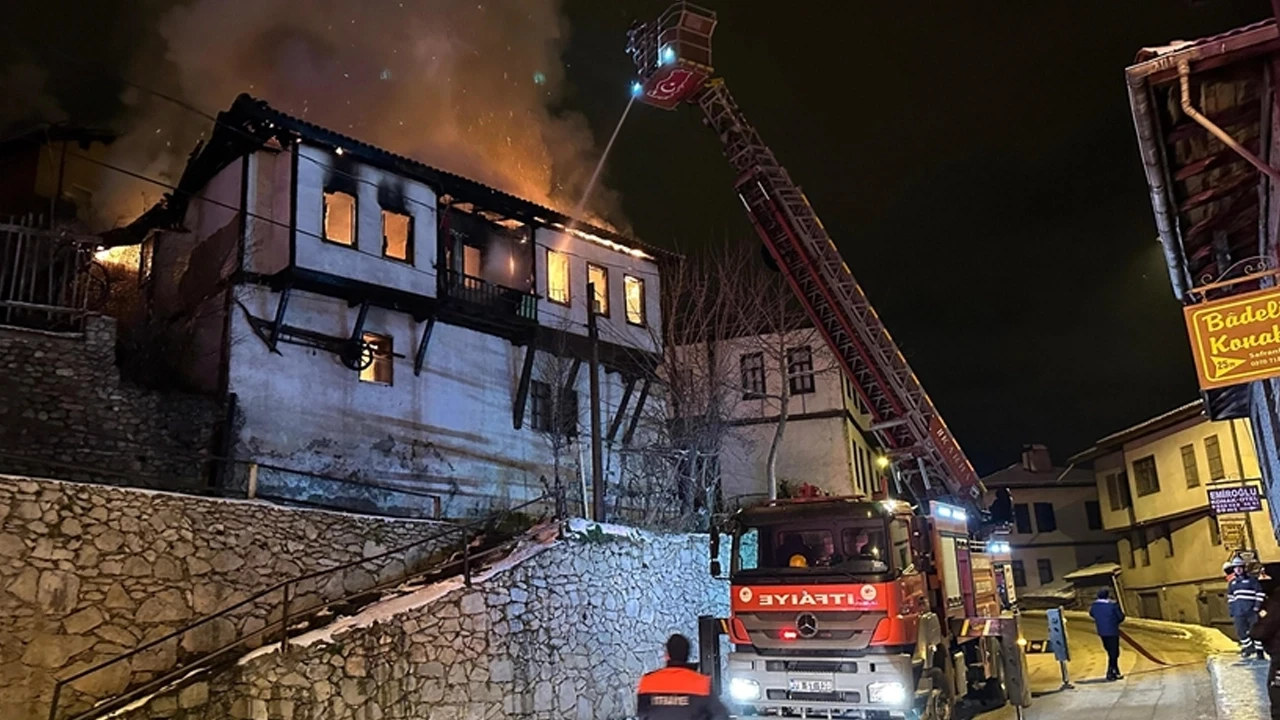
[26, 100]
[465, 85]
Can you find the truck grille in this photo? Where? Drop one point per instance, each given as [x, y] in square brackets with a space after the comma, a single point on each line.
[835, 697]
[811, 666]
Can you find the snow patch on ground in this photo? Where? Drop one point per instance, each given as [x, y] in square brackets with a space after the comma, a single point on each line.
[142, 701]
[392, 605]
[579, 525]
[1239, 687]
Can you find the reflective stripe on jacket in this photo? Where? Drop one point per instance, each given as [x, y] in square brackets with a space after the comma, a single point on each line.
[676, 693]
[1244, 596]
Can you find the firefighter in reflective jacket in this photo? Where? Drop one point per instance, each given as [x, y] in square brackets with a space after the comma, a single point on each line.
[677, 692]
[1244, 599]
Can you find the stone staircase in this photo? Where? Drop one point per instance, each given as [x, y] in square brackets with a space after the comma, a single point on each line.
[300, 608]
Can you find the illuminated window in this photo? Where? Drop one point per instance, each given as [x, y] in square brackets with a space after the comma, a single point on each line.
[599, 277]
[471, 265]
[379, 370]
[340, 218]
[633, 290]
[397, 236]
[557, 277]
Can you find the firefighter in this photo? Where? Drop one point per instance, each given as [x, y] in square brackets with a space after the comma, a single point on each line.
[1266, 632]
[1244, 599]
[678, 692]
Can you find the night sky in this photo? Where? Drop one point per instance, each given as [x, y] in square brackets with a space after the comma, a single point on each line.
[975, 163]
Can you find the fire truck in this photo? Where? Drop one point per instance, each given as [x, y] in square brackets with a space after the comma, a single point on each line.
[843, 607]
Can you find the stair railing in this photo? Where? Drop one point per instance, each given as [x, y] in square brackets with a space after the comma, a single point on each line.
[467, 531]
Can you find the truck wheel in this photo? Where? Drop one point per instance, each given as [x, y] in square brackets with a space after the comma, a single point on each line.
[942, 701]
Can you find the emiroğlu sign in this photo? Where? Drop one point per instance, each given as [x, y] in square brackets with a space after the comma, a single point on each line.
[791, 597]
[1236, 339]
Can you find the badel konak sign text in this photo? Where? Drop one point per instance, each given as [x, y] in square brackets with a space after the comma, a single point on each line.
[1237, 339]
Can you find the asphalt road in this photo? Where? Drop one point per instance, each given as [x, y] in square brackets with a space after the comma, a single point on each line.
[1178, 688]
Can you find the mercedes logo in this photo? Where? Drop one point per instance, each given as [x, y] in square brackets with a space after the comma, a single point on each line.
[807, 625]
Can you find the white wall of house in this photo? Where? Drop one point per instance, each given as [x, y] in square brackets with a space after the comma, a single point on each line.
[365, 262]
[824, 443]
[581, 251]
[268, 196]
[447, 431]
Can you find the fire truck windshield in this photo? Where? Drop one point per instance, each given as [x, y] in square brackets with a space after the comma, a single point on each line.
[863, 546]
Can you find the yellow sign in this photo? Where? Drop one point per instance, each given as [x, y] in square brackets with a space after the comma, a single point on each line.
[1233, 533]
[1236, 339]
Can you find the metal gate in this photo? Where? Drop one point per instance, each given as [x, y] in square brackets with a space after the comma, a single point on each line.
[48, 278]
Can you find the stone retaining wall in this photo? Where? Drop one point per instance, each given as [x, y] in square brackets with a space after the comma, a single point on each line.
[65, 411]
[90, 571]
[565, 632]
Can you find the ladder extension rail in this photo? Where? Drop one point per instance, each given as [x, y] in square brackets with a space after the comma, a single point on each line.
[909, 423]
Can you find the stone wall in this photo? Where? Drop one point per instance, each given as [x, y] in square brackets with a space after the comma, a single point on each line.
[65, 411]
[563, 630]
[90, 571]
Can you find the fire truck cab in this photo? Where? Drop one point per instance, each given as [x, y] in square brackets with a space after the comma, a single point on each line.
[862, 609]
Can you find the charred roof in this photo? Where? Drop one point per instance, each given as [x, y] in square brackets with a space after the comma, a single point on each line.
[250, 123]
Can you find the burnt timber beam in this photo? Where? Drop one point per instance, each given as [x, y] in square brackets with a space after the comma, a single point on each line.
[635, 416]
[522, 391]
[622, 409]
[421, 355]
[274, 338]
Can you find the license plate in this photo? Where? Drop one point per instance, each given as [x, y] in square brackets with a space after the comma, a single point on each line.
[812, 686]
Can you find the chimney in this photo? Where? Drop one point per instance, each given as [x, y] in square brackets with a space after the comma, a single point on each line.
[1035, 458]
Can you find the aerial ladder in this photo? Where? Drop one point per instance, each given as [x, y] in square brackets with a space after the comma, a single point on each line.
[808, 606]
[673, 60]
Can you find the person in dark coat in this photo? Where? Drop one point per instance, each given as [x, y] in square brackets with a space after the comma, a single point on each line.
[678, 692]
[1107, 616]
[1244, 600]
[1266, 633]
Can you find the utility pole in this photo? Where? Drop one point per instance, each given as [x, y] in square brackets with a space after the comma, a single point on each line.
[597, 473]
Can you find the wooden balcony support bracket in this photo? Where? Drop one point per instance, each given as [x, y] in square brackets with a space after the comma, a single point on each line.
[522, 390]
[572, 380]
[635, 415]
[421, 356]
[274, 338]
[357, 332]
[622, 408]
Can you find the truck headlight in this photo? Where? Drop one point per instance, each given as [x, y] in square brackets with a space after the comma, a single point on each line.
[888, 693]
[744, 690]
